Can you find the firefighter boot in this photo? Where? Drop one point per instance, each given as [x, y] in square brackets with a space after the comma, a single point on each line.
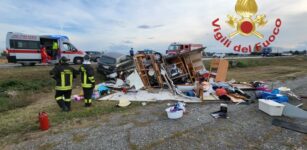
[62, 105]
[89, 102]
[86, 103]
[67, 104]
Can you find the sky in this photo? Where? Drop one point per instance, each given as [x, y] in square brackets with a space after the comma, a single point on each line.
[118, 25]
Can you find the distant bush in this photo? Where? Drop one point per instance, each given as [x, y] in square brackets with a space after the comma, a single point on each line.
[241, 64]
[3, 54]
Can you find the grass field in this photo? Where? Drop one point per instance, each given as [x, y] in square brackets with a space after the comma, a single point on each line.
[25, 91]
[269, 69]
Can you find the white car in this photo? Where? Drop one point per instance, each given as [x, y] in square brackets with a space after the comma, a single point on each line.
[219, 55]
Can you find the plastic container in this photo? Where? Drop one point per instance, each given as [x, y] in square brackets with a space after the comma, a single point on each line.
[175, 114]
[271, 107]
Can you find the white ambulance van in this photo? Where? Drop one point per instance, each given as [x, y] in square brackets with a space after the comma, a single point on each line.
[26, 49]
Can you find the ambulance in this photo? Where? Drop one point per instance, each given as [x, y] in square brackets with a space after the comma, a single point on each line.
[26, 49]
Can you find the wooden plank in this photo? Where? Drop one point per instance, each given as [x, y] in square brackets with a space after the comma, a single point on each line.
[222, 71]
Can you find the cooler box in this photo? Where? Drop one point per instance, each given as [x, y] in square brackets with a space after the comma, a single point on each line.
[271, 107]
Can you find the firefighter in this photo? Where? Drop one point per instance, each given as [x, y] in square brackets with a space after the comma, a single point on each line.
[63, 75]
[87, 80]
[55, 48]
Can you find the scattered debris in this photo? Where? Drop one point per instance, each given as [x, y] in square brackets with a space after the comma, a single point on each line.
[135, 81]
[182, 76]
[274, 95]
[148, 96]
[271, 107]
[219, 68]
[176, 111]
[222, 113]
[292, 111]
[123, 103]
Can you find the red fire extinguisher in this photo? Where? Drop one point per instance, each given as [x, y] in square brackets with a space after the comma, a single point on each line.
[43, 121]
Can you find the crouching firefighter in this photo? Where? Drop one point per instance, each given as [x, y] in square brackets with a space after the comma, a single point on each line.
[87, 80]
[63, 75]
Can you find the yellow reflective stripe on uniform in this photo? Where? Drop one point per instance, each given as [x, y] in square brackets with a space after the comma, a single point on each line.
[71, 77]
[84, 77]
[84, 83]
[59, 98]
[62, 79]
[87, 85]
[63, 88]
[92, 79]
[90, 101]
[67, 100]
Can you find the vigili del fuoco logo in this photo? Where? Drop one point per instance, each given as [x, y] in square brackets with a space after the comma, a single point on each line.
[246, 24]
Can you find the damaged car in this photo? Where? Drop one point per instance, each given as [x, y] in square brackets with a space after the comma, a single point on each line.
[114, 64]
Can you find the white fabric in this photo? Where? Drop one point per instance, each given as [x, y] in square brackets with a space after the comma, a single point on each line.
[86, 62]
[135, 80]
[143, 95]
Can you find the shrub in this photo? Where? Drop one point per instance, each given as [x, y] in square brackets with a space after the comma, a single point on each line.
[241, 64]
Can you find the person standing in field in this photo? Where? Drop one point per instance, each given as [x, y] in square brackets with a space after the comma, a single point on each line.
[63, 74]
[87, 80]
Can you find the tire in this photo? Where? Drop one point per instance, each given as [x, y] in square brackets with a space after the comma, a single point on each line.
[32, 64]
[78, 60]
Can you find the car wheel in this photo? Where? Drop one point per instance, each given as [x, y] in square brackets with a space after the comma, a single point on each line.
[78, 60]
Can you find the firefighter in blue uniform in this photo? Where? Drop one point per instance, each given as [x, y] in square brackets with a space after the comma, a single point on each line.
[63, 75]
[87, 80]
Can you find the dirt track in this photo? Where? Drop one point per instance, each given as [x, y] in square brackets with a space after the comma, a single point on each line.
[149, 128]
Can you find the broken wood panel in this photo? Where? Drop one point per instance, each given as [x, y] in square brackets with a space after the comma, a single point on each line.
[220, 67]
[222, 71]
[138, 59]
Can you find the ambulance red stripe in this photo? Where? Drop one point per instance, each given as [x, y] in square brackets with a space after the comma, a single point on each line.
[22, 51]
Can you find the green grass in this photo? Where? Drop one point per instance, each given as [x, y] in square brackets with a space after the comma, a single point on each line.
[25, 85]
[14, 92]
[266, 68]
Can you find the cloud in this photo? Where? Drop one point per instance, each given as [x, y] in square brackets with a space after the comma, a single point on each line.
[128, 42]
[149, 27]
[119, 47]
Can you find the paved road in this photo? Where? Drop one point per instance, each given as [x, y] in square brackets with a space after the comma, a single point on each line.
[9, 65]
[149, 128]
